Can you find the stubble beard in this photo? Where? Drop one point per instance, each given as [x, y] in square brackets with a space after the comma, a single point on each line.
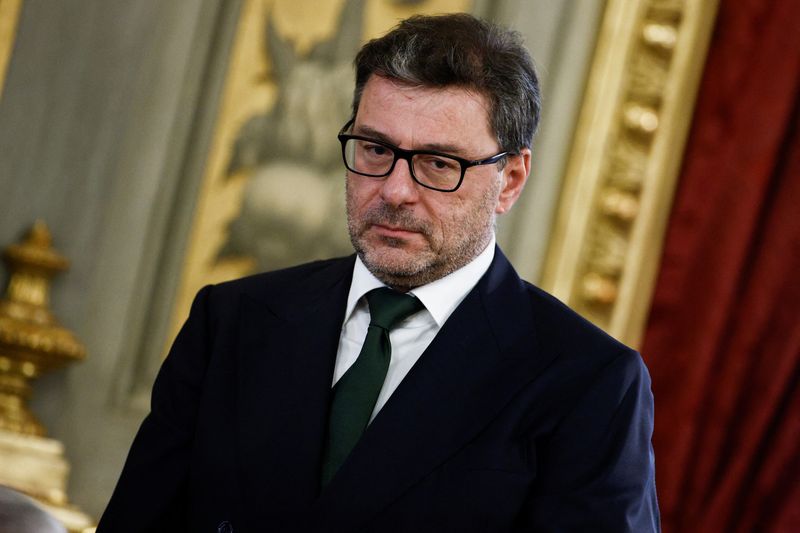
[406, 271]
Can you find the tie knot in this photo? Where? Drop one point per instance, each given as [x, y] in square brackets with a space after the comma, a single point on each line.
[388, 307]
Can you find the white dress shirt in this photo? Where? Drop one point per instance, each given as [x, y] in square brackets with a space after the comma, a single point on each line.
[410, 338]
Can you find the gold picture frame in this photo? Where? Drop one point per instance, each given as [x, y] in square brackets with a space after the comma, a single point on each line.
[623, 167]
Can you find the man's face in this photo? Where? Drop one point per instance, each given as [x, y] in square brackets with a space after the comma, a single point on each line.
[408, 235]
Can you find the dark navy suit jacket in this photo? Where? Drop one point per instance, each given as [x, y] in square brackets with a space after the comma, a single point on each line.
[519, 416]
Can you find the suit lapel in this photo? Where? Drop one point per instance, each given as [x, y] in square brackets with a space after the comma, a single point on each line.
[286, 357]
[476, 363]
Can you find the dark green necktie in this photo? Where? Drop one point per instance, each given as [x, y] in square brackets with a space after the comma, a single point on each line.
[355, 394]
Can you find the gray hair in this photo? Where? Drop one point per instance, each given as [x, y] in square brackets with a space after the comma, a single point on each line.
[463, 51]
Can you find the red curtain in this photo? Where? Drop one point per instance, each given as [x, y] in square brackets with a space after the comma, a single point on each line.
[723, 337]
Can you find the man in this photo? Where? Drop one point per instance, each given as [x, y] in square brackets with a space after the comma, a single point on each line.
[463, 398]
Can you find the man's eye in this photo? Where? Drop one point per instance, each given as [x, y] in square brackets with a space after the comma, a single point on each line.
[376, 150]
[439, 163]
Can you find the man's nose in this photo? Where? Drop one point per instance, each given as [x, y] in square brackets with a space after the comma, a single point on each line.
[399, 187]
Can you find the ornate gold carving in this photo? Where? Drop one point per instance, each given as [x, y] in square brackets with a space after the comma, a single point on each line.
[32, 342]
[619, 183]
[663, 36]
[641, 119]
[621, 205]
[599, 289]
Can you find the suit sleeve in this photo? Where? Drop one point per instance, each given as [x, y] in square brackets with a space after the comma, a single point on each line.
[597, 470]
[151, 492]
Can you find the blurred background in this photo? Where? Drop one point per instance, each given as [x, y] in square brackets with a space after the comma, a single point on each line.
[167, 145]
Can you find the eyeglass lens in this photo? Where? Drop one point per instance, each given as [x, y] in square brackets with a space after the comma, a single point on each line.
[371, 159]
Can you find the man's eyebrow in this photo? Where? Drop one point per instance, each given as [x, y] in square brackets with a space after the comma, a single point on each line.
[373, 133]
[368, 131]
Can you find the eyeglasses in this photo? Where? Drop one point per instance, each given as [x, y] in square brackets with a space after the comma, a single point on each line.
[434, 170]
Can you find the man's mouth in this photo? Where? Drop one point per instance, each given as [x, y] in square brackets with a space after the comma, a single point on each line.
[391, 231]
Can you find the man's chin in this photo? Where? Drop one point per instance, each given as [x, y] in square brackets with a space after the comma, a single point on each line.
[392, 260]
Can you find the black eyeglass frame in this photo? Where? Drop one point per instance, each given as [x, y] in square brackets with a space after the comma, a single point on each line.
[400, 153]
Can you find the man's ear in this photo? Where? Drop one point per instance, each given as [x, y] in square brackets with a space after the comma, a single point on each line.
[515, 174]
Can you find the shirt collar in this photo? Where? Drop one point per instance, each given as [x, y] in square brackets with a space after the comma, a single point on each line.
[440, 297]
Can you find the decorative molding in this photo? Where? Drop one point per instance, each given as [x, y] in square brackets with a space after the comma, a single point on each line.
[31, 343]
[9, 18]
[622, 172]
[31, 339]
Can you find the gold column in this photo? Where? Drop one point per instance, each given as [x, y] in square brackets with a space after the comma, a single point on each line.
[32, 342]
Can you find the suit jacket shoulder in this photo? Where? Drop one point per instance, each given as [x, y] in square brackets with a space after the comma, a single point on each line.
[303, 279]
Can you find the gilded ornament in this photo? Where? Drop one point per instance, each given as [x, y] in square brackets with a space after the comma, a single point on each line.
[641, 118]
[599, 289]
[621, 205]
[628, 164]
[648, 76]
[31, 339]
[607, 249]
[32, 342]
[660, 36]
